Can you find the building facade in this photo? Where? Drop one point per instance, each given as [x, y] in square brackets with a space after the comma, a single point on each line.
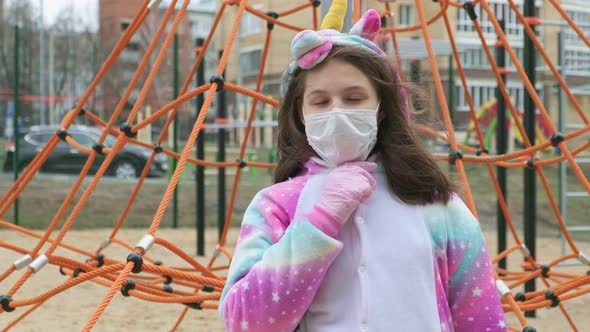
[245, 57]
[245, 60]
[115, 17]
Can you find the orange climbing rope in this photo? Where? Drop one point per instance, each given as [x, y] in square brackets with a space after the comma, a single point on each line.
[199, 286]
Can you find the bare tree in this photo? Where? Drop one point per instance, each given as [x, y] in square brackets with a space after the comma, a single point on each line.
[73, 52]
[74, 57]
[20, 13]
[119, 77]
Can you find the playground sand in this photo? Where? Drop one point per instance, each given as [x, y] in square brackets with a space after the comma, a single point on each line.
[70, 310]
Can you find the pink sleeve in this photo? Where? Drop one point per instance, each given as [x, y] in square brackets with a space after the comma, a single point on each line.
[276, 269]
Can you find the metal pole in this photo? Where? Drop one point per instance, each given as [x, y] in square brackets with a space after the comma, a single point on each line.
[15, 116]
[51, 86]
[94, 72]
[221, 116]
[562, 128]
[175, 133]
[41, 66]
[529, 124]
[452, 89]
[200, 176]
[501, 148]
[450, 98]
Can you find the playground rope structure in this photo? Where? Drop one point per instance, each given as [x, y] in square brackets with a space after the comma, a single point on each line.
[141, 276]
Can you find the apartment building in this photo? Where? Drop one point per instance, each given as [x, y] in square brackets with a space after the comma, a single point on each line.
[245, 60]
[115, 16]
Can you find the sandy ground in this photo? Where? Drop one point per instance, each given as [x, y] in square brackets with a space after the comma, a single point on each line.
[70, 310]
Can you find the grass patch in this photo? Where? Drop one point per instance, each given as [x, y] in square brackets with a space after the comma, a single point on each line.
[578, 209]
[44, 195]
[42, 198]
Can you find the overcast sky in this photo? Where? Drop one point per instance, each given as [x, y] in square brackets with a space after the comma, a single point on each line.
[87, 9]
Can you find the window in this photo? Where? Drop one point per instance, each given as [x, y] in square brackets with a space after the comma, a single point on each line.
[38, 139]
[577, 55]
[482, 92]
[406, 14]
[200, 27]
[250, 23]
[83, 139]
[250, 62]
[125, 24]
[582, 18]
[133, 46]
[501, 10]
[578, 60]
[477, 59]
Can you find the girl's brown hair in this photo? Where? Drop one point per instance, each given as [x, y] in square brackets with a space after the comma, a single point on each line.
[413, 175]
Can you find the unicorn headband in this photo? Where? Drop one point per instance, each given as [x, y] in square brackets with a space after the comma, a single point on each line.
[309, 47]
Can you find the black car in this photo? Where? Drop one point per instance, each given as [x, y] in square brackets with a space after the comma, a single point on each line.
[128, 163]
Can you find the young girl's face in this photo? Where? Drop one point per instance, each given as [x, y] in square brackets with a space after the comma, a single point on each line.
[339, 84]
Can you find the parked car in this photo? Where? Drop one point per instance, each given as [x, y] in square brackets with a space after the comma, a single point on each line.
[128, 163]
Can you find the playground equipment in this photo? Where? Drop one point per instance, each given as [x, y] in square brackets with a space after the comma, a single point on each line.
[487, 118]
[202, 284]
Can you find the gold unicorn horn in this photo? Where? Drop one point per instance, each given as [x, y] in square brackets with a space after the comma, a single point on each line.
[335, 17]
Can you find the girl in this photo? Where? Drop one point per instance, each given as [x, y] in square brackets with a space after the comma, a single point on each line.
[362, 231]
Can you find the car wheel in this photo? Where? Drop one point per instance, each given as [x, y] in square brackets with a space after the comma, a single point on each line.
[125, 169]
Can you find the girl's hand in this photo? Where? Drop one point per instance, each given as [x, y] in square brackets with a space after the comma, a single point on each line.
[346, 187]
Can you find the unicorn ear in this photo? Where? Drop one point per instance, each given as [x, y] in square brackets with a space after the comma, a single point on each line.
[335, 17]
[368, 26]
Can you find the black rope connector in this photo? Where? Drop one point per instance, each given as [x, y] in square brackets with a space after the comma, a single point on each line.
[77, 272]
[61, 271]
[158, 263]
[531, 162]
[546, 270]
[127, 287]
[168, 279]
[208, 289]
[468, 6]
[82, 112]
[219, 80]
[481, 151]
[5, 301]
[557, 138]
[195, 305]
[520, 297]
[273, 14]
[242, 163]
[158, 148]
[167, 288]
[100, 259]
[454, 155]
[529, 328]
[137, 261]
[98, 147]
[588, 273]
[316, 3]
[126, 128]
[62, 134]
[554, 298]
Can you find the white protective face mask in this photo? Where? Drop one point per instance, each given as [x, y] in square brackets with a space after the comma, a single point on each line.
[342, 135]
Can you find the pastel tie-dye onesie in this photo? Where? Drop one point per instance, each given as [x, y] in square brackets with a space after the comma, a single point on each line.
[392, 267]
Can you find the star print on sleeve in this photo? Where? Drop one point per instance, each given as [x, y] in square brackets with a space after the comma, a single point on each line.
[276, 269]
[471, 278]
